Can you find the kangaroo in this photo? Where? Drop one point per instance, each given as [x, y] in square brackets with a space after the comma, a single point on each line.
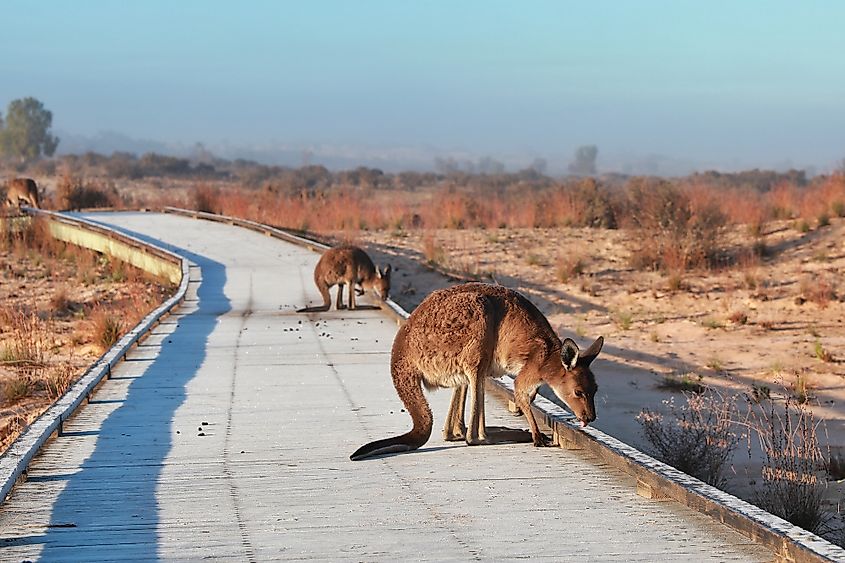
[349, 265]
[458, 337]
[22, 190]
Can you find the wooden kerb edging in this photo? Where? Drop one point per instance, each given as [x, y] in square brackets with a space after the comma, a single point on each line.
[655, 479]
[16, 459]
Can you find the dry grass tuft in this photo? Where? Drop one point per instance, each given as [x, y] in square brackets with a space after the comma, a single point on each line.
[16, 388]
[794, 467]
[59, 302]
[106, 327]
[24, 345]
[568, 267]
[696, 438]
[685, 383]
[820, 290]
[821, 352]
[433, 252]
[59, 380]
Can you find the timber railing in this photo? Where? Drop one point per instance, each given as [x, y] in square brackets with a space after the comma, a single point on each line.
[153, 259]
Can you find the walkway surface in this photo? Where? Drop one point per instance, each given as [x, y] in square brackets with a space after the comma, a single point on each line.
[227, 434]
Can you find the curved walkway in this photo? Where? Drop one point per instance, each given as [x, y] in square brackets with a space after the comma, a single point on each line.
[226, 435]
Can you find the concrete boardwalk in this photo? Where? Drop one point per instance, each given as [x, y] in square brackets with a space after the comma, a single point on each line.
[227, 434]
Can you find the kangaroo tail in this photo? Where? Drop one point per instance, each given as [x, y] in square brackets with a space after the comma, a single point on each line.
[417, 405]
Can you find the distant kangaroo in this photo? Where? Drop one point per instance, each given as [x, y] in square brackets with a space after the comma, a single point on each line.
[22, 190]
[460, 336]
[348, 265]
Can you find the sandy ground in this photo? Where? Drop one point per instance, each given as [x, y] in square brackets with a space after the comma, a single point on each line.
[749, 325]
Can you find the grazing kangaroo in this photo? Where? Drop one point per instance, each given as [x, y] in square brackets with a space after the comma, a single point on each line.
[349, 265]
[458, 337]
[22, 190]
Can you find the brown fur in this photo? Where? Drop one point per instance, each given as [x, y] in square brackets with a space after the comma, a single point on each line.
[460, 336]
[22, 190]
[349, 265]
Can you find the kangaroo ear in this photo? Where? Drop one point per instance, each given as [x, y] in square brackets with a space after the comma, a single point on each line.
[569, 353]
[590, 353]
[386, 271]
[378, 272]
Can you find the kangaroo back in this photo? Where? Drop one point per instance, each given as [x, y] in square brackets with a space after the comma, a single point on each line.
[349, 266]
[22, 189]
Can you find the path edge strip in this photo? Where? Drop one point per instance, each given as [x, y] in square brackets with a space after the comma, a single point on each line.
[15, 461]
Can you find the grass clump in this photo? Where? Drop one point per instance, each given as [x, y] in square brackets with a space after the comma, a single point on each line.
[696, 438]
[433, 252]
[106, 328]
[623, 319]
[17, 388]
[685, 383]
[801, 387]
[822, 353]
[794, 467]
[568, 267]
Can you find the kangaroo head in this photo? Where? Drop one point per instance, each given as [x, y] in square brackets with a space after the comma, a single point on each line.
[573, 381]
[381, 284]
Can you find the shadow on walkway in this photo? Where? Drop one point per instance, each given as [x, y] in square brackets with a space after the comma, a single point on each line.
[110, 499]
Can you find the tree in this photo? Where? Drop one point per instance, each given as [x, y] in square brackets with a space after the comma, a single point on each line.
[489, 165]
[585, 160]
[539, 165]
[26, 134]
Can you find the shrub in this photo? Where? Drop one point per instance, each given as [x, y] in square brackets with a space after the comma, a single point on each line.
[823, 220]
[793, 463]
[206, 199]
[672, 233]
[696, 438]
[73, 194]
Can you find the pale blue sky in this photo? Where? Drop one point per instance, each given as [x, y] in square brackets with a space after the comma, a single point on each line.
[754, 83]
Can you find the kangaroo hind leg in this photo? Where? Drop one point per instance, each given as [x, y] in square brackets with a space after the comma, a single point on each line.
[339, 303]
[455, 430]
[323, 287]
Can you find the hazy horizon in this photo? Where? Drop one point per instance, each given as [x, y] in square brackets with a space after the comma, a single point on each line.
[663, 85]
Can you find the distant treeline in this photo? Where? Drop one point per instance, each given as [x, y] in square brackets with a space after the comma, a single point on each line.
[311, 178]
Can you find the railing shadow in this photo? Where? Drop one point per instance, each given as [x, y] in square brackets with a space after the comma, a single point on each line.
[115, 487]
